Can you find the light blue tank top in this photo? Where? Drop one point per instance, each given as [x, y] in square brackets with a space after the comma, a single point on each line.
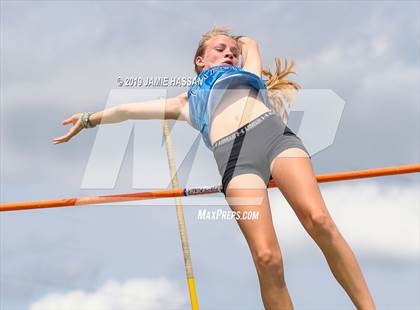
[208, 88]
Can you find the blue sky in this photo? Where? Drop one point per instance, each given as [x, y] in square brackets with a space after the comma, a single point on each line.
[61, 58]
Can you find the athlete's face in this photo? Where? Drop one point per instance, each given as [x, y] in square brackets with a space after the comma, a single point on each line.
[220, 50]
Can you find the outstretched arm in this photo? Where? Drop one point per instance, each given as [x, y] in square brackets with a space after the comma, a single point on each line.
[251, 57]
[172, 108]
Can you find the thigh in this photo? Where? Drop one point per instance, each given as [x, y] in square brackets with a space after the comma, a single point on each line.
[294, 176]
[248, 192]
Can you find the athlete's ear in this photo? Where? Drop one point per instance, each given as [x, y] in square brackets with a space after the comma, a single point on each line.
[199, 61]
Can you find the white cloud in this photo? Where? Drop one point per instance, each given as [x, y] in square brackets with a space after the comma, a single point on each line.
[376, 220]
[133, 294]
[369, 64]
[379, 46]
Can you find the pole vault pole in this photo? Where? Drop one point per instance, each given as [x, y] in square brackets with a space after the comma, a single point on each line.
[180, 218]
[179, 192]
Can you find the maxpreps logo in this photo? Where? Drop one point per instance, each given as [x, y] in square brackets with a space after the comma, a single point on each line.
[220, 214]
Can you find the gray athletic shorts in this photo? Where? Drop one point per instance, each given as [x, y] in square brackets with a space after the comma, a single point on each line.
[251, 148]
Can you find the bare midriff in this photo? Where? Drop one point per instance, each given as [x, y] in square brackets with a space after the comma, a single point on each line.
[238, 107]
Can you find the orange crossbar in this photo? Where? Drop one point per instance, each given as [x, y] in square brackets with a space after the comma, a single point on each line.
[195, 191]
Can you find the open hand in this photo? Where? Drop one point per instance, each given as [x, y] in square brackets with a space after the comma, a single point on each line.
[74, 130]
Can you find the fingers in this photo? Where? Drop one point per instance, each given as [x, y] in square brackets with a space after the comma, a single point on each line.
[64, 138]
[73, 119]
[72, 132]
[67, 121]
[59, 140]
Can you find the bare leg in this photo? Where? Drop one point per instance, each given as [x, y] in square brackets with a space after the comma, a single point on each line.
[261, 238]
[292, 171]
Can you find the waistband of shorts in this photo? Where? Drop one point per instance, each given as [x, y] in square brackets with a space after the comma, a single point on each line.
[242, 130]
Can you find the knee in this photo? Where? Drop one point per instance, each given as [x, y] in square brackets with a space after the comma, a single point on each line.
[321, 225]
[269, 260]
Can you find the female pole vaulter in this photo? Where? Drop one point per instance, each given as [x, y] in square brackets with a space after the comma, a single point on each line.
[235, 112]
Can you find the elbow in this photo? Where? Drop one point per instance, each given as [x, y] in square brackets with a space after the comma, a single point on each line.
[173, 111]
[174, 108]
[252, 42]
[248, 41]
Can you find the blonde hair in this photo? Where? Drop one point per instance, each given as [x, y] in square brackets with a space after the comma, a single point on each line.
[280, 90]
